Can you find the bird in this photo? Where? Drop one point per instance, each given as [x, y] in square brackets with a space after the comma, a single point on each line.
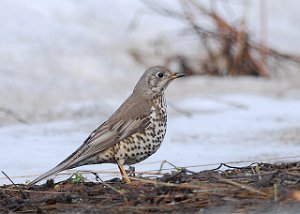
[132, 134]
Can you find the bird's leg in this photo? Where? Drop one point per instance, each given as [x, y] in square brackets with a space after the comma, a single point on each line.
[123, 172]
[131, 171]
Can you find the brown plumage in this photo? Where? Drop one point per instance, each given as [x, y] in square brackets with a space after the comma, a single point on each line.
[133, 133]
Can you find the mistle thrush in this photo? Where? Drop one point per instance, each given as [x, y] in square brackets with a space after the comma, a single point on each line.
[133, 133]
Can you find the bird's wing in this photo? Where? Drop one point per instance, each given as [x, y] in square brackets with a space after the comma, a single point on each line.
[130, 118]
[106, 136]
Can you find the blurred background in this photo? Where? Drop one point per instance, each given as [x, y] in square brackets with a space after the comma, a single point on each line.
[67, 65]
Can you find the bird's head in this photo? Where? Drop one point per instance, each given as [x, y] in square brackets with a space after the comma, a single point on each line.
[155, 80]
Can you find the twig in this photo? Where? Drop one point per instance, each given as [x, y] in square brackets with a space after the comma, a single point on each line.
[224, 164]
[22, 193]
[114, 189]
[181, 186]
[35, 191]
[164, 162]
[242, 186]
[263, 36]
[97, 177]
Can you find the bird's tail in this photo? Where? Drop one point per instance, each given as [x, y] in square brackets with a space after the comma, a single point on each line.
[53, 171]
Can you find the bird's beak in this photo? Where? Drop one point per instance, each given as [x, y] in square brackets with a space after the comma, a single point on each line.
[177, 75]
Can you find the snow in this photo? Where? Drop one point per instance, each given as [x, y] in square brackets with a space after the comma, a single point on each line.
[212, 133]
[65, 68]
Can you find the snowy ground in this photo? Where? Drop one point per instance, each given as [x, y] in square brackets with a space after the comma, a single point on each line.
[65, 69]
[202, 130]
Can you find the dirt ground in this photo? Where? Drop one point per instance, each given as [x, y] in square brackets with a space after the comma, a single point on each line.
[257, 188]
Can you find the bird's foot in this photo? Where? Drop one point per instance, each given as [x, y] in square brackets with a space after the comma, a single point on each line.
[126, 179]
[131, 171]
[123, 173]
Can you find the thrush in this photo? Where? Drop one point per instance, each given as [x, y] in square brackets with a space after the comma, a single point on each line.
[133, 133]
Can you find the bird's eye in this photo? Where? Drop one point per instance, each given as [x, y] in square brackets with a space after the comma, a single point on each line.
[160, 74]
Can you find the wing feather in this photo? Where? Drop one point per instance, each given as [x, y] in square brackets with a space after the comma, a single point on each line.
[109, 138]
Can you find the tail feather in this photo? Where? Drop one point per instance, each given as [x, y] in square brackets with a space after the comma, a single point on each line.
[53, 171]
[69, 163]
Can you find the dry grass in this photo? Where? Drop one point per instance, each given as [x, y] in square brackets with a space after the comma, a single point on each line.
[222, 48]
[238, 189]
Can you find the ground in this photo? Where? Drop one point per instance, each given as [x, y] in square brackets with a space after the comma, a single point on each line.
[257, 188]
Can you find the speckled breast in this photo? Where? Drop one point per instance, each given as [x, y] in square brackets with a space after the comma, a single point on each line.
[141, 145]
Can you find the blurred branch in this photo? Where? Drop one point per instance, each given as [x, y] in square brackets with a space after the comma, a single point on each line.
[228, 48]
[13, 115]
[159, 9]
[263, 36]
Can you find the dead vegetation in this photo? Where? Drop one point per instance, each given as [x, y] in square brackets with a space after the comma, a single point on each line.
[260, 187]
[222, 48]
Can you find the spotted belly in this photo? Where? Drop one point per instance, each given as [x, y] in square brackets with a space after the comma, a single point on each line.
[137, 147]
[142, 145]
